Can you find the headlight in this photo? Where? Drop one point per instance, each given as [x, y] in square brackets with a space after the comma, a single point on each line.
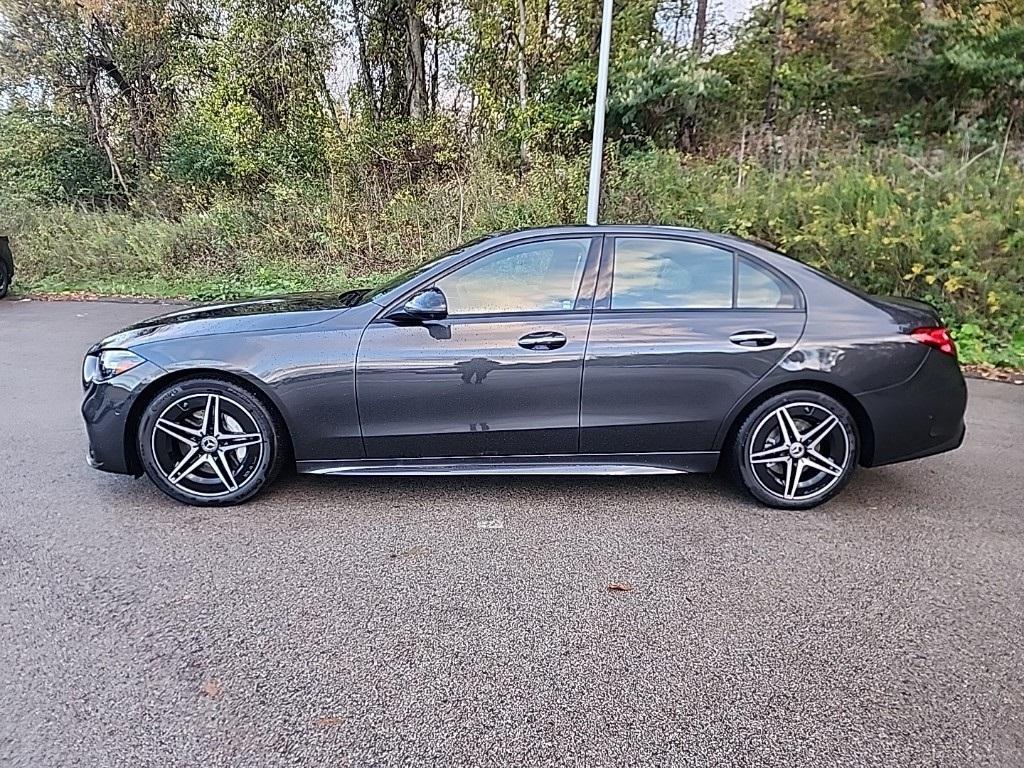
[108, 364]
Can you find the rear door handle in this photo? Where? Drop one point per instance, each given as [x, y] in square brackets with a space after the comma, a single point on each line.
[543, 340]
[753, 338]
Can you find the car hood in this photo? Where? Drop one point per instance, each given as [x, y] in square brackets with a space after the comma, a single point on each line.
[264, 314]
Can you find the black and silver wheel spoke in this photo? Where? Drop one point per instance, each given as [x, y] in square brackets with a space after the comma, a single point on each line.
[223, 470]
[207, 444]
[230, 441]
[822, 464]
[792, 481]
[185, 434]
[188, 464]
[820, 432]
[770, 455]
[211, 416]
[799, 451]
[788, 428]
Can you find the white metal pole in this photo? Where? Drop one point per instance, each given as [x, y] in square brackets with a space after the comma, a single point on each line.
[600, 100]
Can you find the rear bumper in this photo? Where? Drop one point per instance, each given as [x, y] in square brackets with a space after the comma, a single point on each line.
[107, 409]
[922, 416]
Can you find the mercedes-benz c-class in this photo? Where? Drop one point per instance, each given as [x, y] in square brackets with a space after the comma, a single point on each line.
[576, 350]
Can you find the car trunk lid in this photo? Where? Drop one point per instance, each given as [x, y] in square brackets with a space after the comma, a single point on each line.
[909, 313]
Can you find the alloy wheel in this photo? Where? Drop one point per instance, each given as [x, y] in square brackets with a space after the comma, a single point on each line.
[207, 445]
[799, 451]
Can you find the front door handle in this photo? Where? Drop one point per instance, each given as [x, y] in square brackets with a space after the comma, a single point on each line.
[543, 340]
[753, 338]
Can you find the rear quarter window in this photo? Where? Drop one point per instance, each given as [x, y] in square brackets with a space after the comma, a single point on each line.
[757, 287]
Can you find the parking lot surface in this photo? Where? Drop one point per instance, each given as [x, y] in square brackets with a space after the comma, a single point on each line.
[469, 621]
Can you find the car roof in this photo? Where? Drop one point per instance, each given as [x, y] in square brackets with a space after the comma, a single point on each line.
[601, 228]
[640, 229]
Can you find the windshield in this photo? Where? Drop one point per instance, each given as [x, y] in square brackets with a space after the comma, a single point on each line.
[400, 279]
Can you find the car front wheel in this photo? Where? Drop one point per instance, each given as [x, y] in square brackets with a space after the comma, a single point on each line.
[796, 450]
[209, 442]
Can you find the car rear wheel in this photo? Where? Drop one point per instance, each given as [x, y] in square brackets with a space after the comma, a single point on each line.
[5, 279]
[209, 442]
[796, 450]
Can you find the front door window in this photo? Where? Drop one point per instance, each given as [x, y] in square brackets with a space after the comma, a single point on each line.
[534, 277]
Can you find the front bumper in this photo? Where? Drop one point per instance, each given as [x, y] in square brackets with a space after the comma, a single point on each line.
[921, 416]
[107, 410]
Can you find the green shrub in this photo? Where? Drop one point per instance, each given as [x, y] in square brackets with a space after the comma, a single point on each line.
[44, 158]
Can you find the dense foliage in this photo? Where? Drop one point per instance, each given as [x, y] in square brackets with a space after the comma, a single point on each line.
[227, 147]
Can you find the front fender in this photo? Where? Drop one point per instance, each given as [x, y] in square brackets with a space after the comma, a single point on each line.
[307, 373]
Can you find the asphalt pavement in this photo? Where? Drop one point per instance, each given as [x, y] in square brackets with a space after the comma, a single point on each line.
[380, 621]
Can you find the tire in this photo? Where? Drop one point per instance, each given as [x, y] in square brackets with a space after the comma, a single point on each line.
[209, 442]
[810, 469]
[5, 279]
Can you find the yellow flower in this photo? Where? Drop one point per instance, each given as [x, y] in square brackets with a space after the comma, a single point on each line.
[953, 285]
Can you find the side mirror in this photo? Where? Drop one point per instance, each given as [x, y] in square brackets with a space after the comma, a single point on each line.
[426, 305]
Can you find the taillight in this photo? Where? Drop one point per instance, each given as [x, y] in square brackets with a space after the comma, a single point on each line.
[937, 337]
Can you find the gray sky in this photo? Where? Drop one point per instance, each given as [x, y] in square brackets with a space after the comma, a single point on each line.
[732, 11]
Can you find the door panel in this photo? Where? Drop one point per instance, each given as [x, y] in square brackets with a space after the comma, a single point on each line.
[500, 376]
[669, 352]
[466, 386]
[664, 380]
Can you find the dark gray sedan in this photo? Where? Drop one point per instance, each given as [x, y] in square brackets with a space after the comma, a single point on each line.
[569, 350]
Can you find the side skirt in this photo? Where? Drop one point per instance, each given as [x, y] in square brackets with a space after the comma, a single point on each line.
[567, 464]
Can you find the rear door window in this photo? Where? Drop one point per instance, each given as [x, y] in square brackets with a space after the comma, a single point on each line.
[660, 273]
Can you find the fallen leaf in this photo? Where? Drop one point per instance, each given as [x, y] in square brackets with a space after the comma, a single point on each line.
[329, 721]
[419, 549]
[211, 687]
[993, 373]
[620, 586]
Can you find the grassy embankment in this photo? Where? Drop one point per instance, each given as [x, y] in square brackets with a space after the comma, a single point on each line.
[924, 226]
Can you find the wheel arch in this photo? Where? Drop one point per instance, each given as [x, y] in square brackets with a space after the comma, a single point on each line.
[153, 388]
[865, 429]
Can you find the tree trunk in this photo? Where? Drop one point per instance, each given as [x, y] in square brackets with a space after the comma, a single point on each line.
[524, 149]
[140, 97]
[143, 114]
[365, 76]
[771, 101]
[416, 66]
[700, 25]
[329, 102]
[98, 125]
[435, 70]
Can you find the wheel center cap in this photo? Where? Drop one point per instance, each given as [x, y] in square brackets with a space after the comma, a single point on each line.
[796, 450]
[209, 444]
